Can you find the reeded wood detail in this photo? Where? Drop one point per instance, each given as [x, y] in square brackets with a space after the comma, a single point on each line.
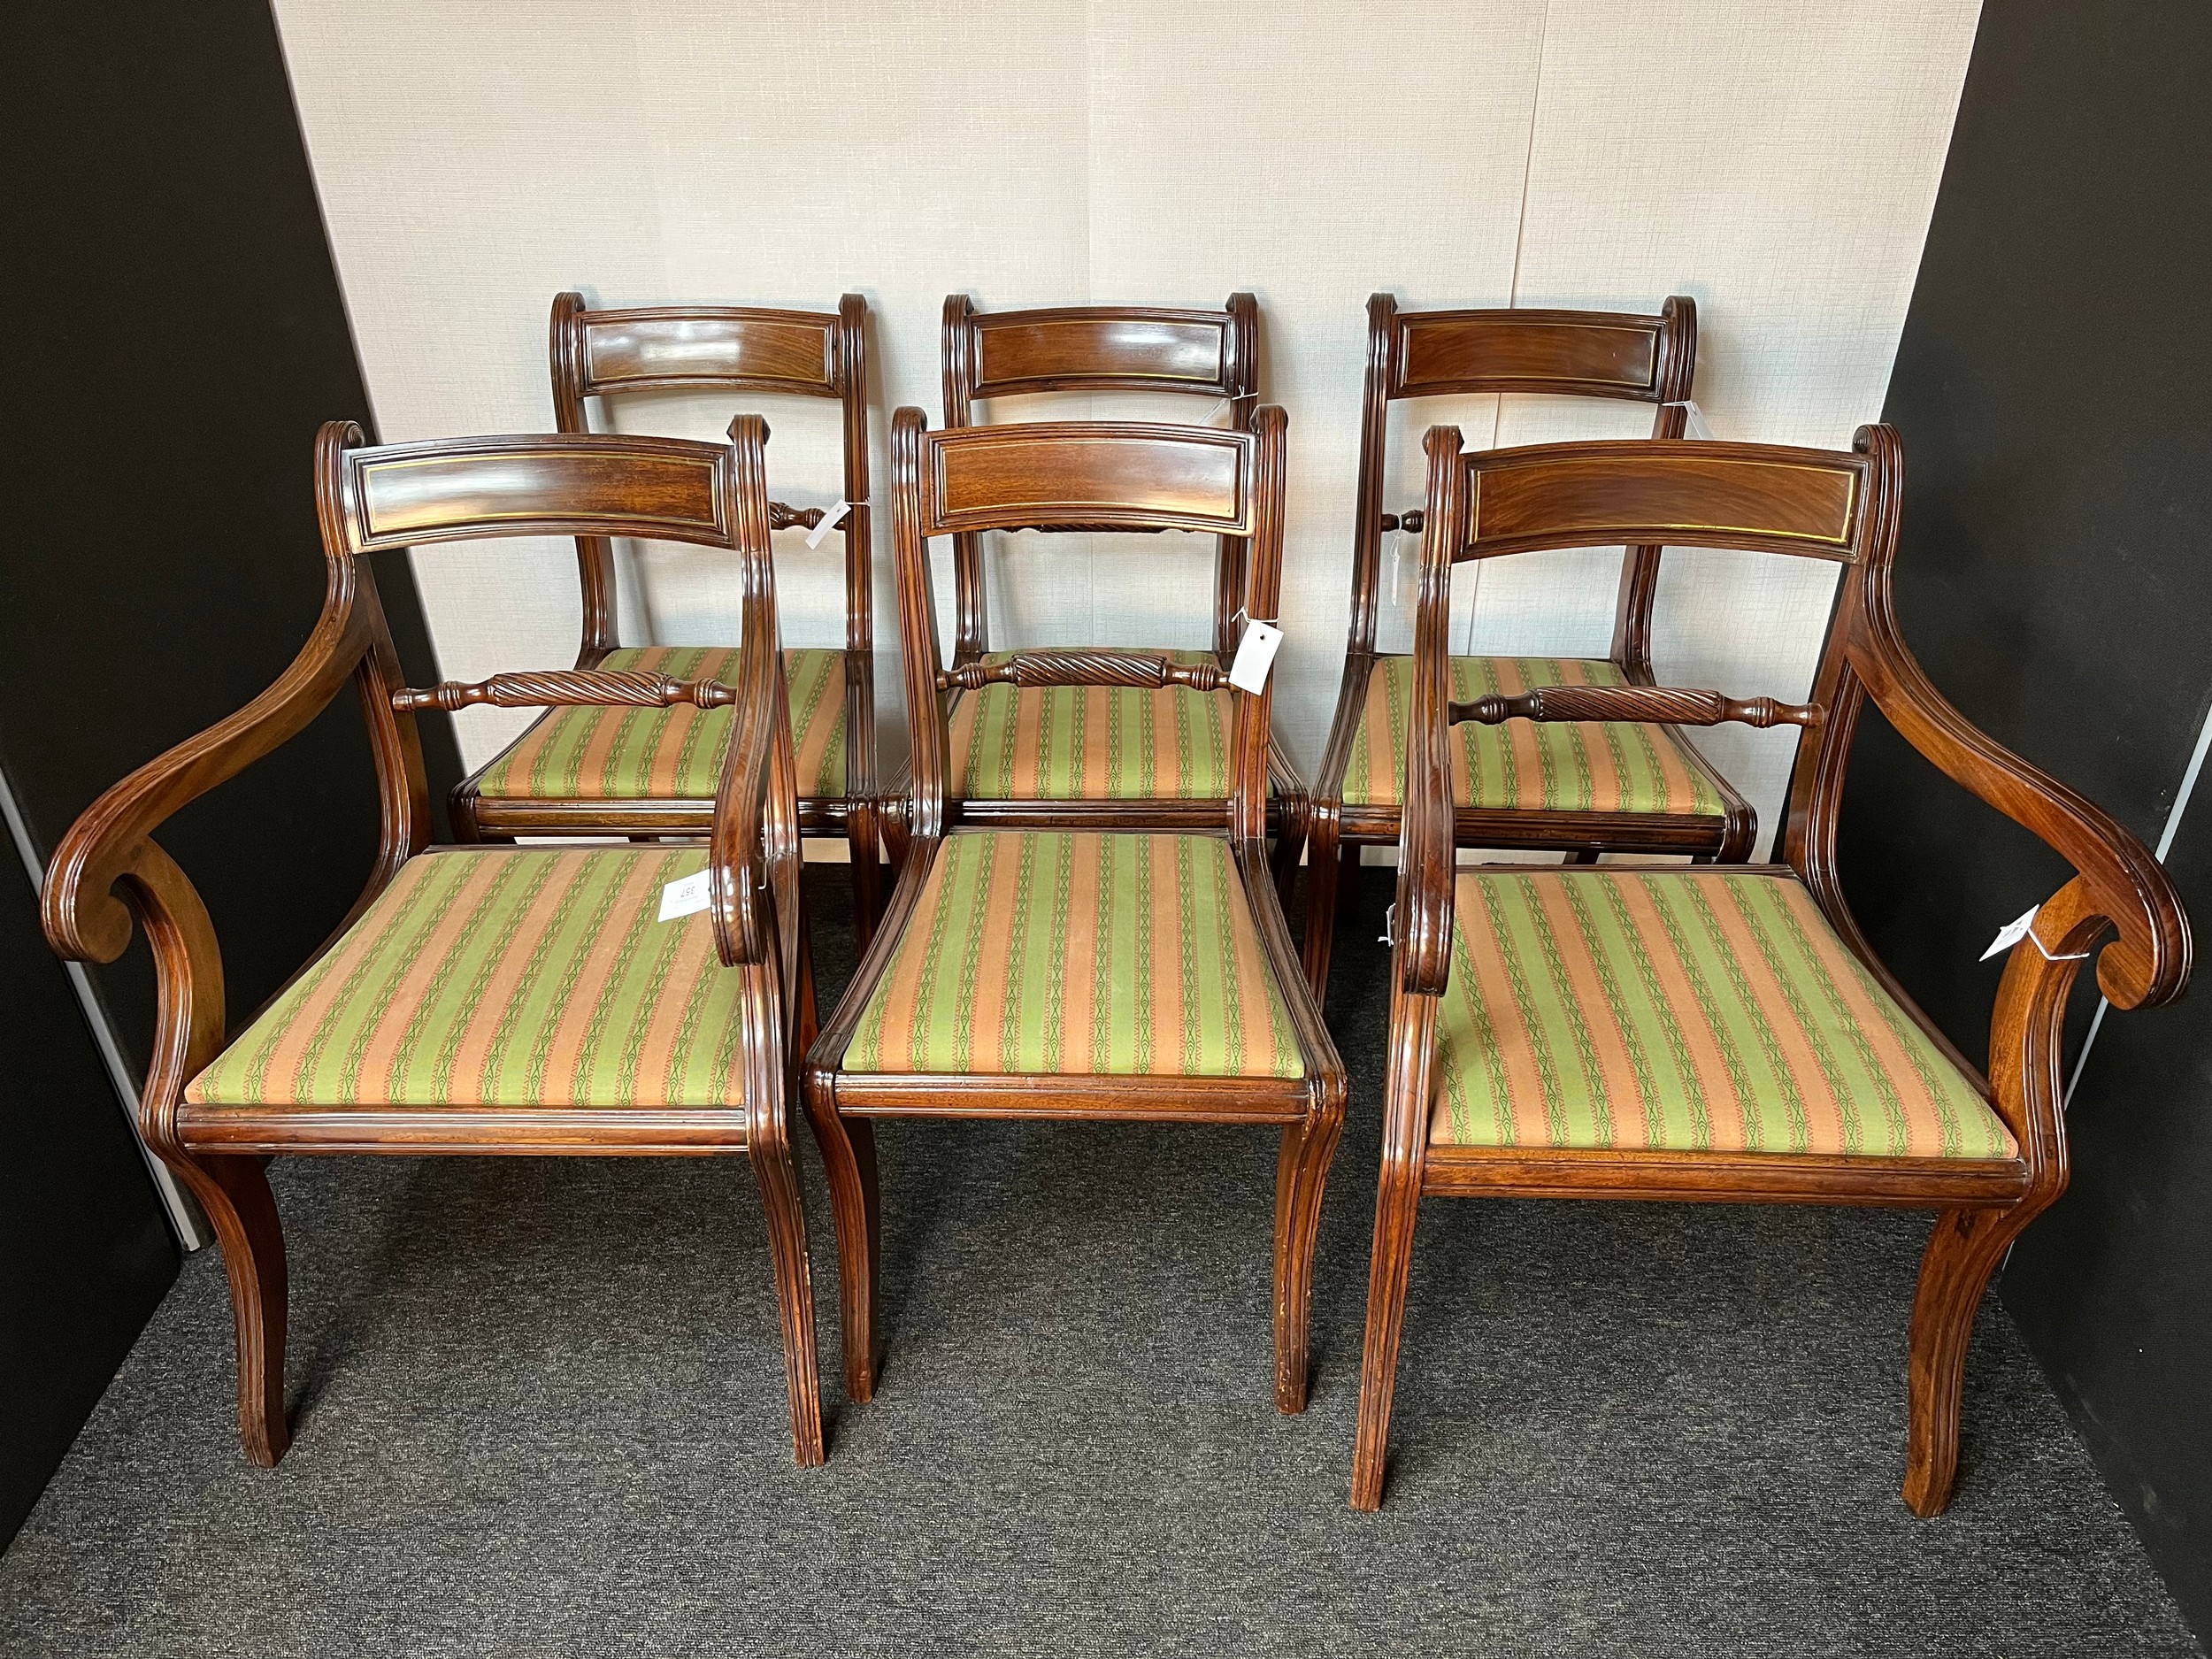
[1759, 497]
[1147, 670]
[1664, 705]
[568, 687]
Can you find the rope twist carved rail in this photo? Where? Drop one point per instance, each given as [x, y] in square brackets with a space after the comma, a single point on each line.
[1145, 669]
[1667, 705]
[567, 687]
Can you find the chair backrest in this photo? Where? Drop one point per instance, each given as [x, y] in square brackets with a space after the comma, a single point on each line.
[1760, 498]
[1106, 475]
[1626, 355]
[607, 354]
[1096, 349]
[374, 499]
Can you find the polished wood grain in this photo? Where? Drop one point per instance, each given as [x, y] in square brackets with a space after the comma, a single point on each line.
[2119, 907]
[608, 354]
[110, 872]
[1636, 358]
[1129, 473]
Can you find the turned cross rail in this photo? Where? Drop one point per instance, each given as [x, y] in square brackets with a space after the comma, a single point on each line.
[567, 687]
[1664, 705]
[1147, 670]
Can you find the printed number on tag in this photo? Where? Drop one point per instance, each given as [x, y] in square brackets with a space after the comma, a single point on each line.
[2012, 933]
[685, 897]
[1255, 654]
[830, 519]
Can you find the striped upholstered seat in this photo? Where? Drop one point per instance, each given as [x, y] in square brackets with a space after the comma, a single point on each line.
[1078, 954]
[671, 754]
[1091, 742]
[1523, 765]
[504, 976]
[1682, 1011]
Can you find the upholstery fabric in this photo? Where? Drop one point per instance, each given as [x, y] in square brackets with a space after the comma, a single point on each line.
[1078, 954]
[1524, 766]
[1091, 742]
[1685, 1011]
[504, 976]
[671, 754]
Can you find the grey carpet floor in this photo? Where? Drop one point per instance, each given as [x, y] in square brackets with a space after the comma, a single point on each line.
[538, 1410]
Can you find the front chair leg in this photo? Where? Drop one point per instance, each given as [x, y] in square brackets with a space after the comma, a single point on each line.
[234, 1193]
[1301, 1173]
[1397, 1201]
[1963, 1252]
[849, 1159]
[778, 1176]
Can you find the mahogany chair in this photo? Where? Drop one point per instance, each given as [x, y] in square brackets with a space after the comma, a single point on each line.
[1582, 786]
[1724, 1033]
[483, 999]
[603, 770]
[1078, 969]
[1103, 757]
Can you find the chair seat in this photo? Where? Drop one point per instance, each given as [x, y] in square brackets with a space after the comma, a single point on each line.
[1091, 742]
[504, 976]
[1527, 766]
[1065, 955]
[604, 754]
[1683, 1012]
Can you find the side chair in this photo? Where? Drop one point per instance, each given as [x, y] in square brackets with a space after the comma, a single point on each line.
[1079, 970]
[1105, 756]
[483, 999]
[1582, 788]
[584, 771]
[1717, 1033]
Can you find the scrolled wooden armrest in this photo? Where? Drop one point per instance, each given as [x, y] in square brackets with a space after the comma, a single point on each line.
[1145, 669]
[568, 687]
[1664, 705]
[2149, 963]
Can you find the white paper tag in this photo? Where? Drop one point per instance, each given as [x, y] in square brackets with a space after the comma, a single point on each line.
[2012, 933]
[685, 897]
[1389, 934]
[1694, 420]
[1255, 654]
[830, 519]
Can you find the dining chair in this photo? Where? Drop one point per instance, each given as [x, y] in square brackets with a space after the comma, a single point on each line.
[1137, 971]
[1581, 787]
[583, 771]
[1721, 1032]
[483, 999]
[1103, 756]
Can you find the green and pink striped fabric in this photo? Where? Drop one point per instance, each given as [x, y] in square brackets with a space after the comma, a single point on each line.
[504, 976]
[1078, 954]
[1687, 1011]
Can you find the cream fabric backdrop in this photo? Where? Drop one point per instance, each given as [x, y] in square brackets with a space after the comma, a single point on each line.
[1776, 161]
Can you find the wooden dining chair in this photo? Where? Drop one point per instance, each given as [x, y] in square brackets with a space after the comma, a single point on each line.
[1718, 1033]
[1580, 787]
[603, 770]
[483, 999]
[1074, 970]
[1103, 757]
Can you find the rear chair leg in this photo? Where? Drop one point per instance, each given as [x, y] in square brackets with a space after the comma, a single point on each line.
[234, 1193]
[1301, 1173]
[849, 1157]
[1324, 856]
[1963, 1252]
[778, 1176]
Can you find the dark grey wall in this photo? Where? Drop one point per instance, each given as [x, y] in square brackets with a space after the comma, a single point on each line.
[176, 333]
[2053, 389]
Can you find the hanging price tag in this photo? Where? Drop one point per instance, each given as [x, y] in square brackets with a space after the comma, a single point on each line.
[685, 897]
[1255, 654]
[1694, 420]
[2012, 933]
[830, 519]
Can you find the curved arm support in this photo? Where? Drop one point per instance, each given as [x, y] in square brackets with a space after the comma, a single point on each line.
[1426, 854]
